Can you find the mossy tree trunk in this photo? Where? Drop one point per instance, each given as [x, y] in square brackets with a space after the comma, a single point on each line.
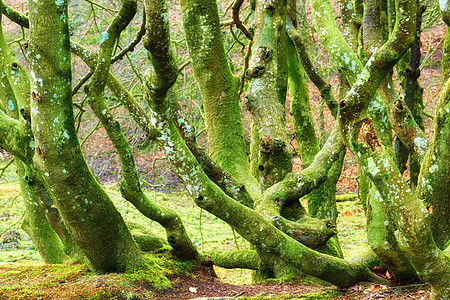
[219, 90]
[321, 202]
[408, 212]
[267, 213]
[92, 219]
[266, 95]
[41, 220]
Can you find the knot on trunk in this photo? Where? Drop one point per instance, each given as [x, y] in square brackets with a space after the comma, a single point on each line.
[262, 56]
[269, 145]
[367, 135]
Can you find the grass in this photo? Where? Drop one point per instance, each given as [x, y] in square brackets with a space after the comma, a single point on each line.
[206, 231]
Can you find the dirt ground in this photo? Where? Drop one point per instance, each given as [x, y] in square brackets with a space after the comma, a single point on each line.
[199, 287]
[19, 281]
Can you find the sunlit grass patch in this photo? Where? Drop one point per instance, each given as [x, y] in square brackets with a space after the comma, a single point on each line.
[351, 225]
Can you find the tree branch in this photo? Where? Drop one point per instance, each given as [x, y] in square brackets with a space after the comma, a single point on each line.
[309, 231]
[324, 88]
[15, 16]
[237, 21]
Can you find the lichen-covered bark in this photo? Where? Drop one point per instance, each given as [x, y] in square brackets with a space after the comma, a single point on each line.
[304, 132]
[41, 221]
[217, 174]
[15, 134]
[381, 237]
[35, 223]
[325, 88]
[219, 89]
[446, 54]
[352, 32]
[263, 100]
[409, 214]
[126, 99]
[321, 201]
[130, 186]
[414, 94]
[295, 223]
[348, 62]
[433, 185]
[246, 259]
[85, 207]
[382, 240]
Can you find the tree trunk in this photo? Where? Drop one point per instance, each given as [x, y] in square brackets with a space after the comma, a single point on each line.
[91, 217]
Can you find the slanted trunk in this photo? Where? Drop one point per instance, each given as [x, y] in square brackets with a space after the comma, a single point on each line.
[408, 212]
[85, 207]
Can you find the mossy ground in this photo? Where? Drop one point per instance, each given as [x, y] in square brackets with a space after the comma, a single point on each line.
[34, 280]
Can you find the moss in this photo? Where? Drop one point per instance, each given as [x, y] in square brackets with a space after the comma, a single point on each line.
[155, 269]
[76, 281]
[332, 294]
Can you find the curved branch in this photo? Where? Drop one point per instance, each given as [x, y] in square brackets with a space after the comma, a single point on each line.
[236, 7]
[249, 224]
[218, 88]
[297, 185]
[266, 95]
[408, 130]
[13, 141]
[130, 46]
[128, 101]
[215, 172]
[107, 40]
[409, 213]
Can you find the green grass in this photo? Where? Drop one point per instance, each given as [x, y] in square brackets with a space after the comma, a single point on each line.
[11, 214]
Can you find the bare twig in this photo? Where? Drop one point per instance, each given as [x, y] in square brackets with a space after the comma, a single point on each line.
[236, 8]
[9, 163]
[82, 81]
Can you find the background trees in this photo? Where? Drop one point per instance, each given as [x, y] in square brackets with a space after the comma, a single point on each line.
[252, 188]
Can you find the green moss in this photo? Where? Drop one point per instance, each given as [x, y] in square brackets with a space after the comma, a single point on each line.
[331, 294]
[155, 269]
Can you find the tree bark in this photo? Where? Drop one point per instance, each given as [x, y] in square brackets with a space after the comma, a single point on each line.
[86, 208]
[219, 90]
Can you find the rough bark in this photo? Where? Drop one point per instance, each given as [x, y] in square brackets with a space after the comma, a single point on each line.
[253, 227]
[42, 222]
[348, 62]
[325, 88]
[35, 223]
[381, 237]
[265, 96]
[433, 186]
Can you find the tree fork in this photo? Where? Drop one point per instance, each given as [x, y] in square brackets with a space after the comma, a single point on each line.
[409, 213]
